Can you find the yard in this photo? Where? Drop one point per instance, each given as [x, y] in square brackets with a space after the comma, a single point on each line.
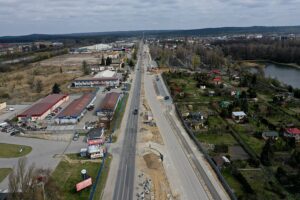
[71, 176]
[264, 187]
[225, 138]
[13, 150]
[245, 132]
[236, 186]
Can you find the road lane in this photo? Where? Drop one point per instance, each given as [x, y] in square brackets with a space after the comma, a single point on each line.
[126, 171]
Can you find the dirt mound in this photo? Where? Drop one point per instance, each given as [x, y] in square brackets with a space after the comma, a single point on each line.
[152, 161]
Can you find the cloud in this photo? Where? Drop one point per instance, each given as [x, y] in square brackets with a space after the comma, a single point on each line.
[65, 16]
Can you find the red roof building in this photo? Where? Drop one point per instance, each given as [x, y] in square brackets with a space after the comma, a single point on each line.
[42, 108]
[109, 103]
[75, 110]
[215, 71]
[292, 132]
[217, 80]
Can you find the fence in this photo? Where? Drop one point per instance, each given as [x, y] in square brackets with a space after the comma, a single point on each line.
[97, 179]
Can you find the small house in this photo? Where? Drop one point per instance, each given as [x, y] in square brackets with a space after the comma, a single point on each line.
[196, 116]
[95, 136]
[225, 104]
[239, 116]
[95, 151]
[292, 132]
[217, 80]
[270, 134]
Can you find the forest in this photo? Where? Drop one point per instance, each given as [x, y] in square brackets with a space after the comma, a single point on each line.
[282, 51]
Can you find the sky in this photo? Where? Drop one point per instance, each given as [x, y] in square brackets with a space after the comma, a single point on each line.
[21, 17]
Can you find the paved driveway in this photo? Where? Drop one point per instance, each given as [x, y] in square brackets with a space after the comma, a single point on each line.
[4, 114]
[44, 153]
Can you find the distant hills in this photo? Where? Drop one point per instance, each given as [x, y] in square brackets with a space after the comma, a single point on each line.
[163, 33]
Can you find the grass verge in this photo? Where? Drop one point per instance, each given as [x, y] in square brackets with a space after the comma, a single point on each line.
[4, 172]
[67, 175]
[13, 150]
[102, 180]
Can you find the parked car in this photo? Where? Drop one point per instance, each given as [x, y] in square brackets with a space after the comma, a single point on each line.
[15, 132]
[76, 136]
[167, 97]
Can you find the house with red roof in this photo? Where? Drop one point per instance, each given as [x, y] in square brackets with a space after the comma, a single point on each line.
[217, 80]
[215, 71]
[292, 132]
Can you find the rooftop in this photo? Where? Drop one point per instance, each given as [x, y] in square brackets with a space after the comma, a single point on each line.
[109, 102]
[87, 78]
[77, 106]
[43, 105]
[294, 131]
[239, 113]
[105, 74]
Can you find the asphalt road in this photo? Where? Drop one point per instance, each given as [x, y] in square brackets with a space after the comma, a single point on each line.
[126, 170]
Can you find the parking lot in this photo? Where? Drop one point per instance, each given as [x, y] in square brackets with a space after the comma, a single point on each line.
[44, 154]
[6, 114]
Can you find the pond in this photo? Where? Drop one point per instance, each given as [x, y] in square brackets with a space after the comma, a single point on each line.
[285, 74]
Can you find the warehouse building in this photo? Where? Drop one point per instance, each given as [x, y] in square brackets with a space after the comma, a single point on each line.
[75, 110]
[96, 82]
[42, 108]
[109, 104]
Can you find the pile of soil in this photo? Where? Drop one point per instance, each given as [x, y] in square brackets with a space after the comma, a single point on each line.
[152, 161]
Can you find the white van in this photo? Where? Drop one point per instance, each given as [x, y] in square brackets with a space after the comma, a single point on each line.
[3, 124]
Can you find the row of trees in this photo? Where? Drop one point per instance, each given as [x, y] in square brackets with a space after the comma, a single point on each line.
[185, 55]
[279, 51]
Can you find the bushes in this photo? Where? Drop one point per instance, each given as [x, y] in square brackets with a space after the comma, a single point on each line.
[221, 148]
[4, 96]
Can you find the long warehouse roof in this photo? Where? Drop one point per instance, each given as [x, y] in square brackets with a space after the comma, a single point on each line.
[77, 106]
[43, 105]
[110, 100]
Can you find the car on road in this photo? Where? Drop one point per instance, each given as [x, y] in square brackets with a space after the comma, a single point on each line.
[10, 109]
[167, 98]
[76, 136]
[135, 111]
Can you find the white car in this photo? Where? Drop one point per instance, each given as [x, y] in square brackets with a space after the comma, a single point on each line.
[10, 109]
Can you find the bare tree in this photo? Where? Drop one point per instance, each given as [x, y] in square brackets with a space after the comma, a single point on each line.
[31, 183]
[20, 182]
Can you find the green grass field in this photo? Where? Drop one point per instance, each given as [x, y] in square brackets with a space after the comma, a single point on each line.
[217, 138]
[233, 183]
[4, 172]
[13, 150]
[102, 180]
[67, 175]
